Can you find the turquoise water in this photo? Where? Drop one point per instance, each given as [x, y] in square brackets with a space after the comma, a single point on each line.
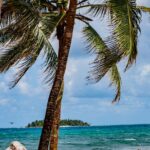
[136, 137]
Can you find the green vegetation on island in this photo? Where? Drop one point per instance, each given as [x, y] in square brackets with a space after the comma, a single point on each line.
[65, 122]
[69, 122]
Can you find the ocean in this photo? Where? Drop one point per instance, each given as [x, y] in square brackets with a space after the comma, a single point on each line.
[133, 137]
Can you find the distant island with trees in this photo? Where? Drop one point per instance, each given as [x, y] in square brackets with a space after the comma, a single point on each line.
[65, 122]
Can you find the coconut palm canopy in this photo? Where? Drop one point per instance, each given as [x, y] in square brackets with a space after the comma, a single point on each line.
[26, 27]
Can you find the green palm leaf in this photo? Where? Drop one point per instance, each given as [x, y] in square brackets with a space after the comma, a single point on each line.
[125, 29]
[98, 9]
[27, 60]
[106, 59]
[124, 18]
[25, 35]
[144, 9]
[116, 80]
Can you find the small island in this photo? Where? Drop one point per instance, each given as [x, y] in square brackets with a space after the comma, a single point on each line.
[65, 122]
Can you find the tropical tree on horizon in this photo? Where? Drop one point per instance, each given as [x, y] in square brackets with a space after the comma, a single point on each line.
[26, 27]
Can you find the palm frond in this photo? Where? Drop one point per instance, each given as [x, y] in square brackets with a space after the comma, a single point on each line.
[116, 81]
[82, 2]
[96, 9]
[125, 20]
[25, 35]
[83, 18]
[144, 9]
[24, 65]
[106, 59]
[27, 60]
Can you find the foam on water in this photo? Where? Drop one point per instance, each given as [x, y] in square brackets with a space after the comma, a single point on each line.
[131, 139]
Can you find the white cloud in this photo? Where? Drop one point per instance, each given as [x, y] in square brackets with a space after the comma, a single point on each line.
[145, 70]
[70, 75]
[37, 89]
[3, 87]
[143, 2]
[4, 102]
[23, 87]
[126, 104]
[72, 68]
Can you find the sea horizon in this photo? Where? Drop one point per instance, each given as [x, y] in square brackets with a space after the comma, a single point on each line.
[107, 125]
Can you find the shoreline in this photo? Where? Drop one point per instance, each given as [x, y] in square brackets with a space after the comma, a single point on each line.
[122, 125]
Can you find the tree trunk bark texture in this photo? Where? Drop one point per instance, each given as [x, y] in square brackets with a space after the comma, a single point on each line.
[55, 127]
[58, 81]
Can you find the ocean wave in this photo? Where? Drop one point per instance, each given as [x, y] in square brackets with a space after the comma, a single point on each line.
[130, 139]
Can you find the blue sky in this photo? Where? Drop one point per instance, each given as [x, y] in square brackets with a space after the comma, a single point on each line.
[91, 103]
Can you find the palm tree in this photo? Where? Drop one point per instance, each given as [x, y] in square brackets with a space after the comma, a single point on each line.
[40, 18]
[58, 81]
[26, 27]
[20, 48]
[108, 53]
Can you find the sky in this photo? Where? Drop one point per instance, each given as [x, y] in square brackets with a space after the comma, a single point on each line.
[87, 102]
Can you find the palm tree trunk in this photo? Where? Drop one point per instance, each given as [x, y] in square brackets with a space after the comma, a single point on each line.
[62, 62]
[1, 4]
[55, 127]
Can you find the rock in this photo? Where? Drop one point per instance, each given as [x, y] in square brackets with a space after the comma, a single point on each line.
[16, 146]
